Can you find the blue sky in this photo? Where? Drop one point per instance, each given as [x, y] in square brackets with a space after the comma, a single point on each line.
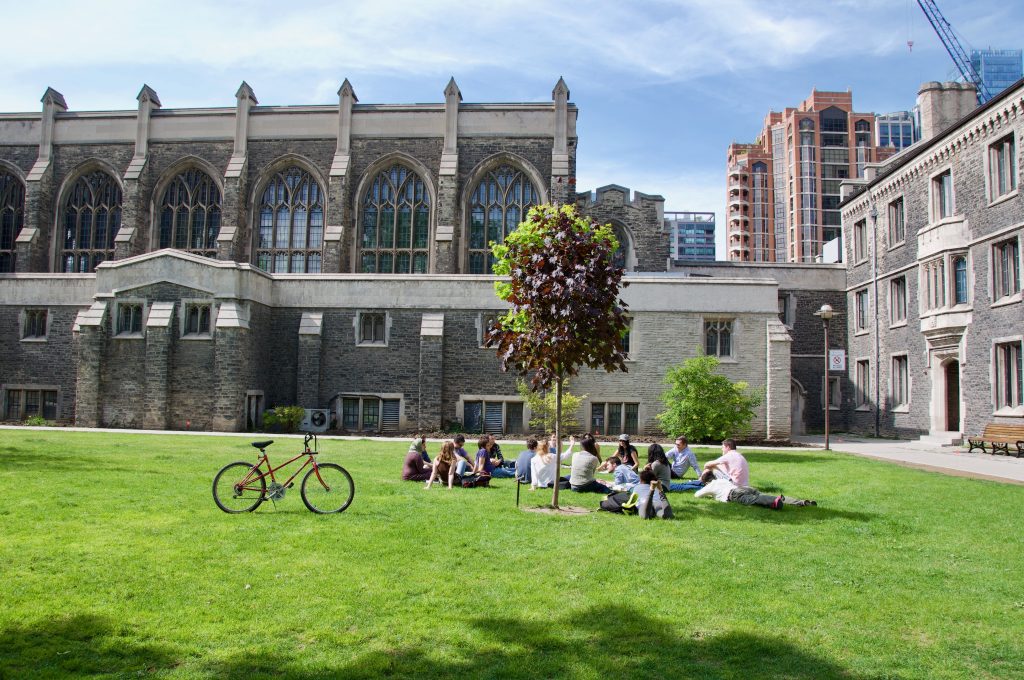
[663, 87]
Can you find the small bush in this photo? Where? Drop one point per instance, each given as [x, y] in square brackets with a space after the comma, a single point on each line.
[283, 418]
[705, 405]
[37, 421]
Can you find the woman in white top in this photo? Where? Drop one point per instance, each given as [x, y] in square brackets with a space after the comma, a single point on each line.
[543, 471]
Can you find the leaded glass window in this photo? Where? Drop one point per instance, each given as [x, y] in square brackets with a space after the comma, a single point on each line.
[92, 216]
[619, 256]
[395, 224]
[12, 213]
[290, 235]
[497, 206]
[190, 214]
[718, 338]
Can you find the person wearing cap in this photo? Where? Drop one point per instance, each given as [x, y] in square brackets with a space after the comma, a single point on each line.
[627, 452]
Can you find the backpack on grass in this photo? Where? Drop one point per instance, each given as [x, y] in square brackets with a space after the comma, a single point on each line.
[619, 503]
[473, 481]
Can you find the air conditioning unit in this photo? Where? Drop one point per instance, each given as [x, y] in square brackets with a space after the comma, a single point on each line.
[316, 420]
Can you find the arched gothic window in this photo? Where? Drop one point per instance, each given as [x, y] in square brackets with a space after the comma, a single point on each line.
[395, 224]
[92, 216]
[190, 214]
[12, 212]
[496, 207]
[291, 224]
[619, 256]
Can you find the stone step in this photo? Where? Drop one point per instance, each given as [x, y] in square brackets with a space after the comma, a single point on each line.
[941, 439]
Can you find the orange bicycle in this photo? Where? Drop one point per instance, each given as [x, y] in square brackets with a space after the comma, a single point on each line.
[241, 487]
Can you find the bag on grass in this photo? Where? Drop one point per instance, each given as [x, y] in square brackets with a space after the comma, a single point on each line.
[473, 481]
[618, 503]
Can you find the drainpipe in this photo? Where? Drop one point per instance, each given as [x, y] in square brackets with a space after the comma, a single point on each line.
[873, 214]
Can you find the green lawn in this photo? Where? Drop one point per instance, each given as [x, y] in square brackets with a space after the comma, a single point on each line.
[114, 561]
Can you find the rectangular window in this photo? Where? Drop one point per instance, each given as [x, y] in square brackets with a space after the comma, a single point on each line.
[1009, 375]
[371, 414]
[862, 309]
[900, 382]
[942, 195]
[26, 403]
[614, 418]
[372, 328]
[197, 319]
[860, 241]
[129, 318]
[350, 414]
[626, 338]
[718, 338]
[933, 284]
[35, 324]
[863, 377]
[958, 265]
[492, 417]
[898, 300]
[1005, 269]
[1002, 173]
[897, 228]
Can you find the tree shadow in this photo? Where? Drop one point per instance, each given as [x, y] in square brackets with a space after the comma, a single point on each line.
[76, 646]
[591, 642]
[787, 457]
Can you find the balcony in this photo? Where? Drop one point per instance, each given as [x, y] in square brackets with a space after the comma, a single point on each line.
[737, 203]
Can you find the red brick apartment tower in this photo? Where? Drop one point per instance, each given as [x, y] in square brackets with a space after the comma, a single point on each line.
[788, 179]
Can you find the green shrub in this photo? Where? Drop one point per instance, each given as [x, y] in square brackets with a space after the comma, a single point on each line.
[37, 421]
[283, 418]
[704, 405]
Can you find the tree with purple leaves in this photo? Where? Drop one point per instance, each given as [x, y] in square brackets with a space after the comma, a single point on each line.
[563, 288]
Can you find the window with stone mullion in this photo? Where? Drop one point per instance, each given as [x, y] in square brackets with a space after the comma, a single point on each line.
[395, 224]
[12, 212]
[497, 205]
[290, 228]
[92, 216]
[190, 214]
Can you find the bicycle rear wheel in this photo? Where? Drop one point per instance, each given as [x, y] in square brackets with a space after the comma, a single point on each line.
[328, 488]
[238, 487]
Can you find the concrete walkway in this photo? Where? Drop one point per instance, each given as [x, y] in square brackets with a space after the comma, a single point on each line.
[952, 460]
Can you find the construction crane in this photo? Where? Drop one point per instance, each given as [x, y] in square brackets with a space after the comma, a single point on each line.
[956, 51]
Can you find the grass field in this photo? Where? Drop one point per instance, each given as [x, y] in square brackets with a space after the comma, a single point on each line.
[114, 561]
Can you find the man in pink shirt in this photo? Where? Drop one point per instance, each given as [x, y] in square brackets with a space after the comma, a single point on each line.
[731, 464]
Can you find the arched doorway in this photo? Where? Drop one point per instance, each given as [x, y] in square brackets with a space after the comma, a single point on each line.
[797, 401]
[951, 370]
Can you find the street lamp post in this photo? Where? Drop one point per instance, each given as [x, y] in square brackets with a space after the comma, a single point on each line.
[826, 315]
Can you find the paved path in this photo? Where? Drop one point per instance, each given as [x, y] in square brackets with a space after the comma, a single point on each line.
[952, 460]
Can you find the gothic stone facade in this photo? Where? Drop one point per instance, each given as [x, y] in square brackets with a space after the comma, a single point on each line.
[934, 243]
[189, 268]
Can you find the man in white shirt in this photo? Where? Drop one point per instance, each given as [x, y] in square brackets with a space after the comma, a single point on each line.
[722, 489]
[731, 463]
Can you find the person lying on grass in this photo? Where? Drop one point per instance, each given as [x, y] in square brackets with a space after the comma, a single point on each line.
[722, 489]
[444, 465]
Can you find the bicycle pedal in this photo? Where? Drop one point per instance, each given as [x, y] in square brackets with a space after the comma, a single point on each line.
[290, 485]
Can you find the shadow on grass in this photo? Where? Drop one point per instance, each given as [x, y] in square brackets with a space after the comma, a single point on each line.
[77, 646]
[593, 642]
[12, 458]
[788, 515]
[787, 457]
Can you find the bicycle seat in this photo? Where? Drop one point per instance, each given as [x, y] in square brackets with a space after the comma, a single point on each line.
[263, 445]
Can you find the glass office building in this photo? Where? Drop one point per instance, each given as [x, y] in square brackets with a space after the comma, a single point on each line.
[897, 130]
[693, 235]
[998, 68]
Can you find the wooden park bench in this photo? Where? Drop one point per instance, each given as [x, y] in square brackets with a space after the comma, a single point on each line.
[999, 437]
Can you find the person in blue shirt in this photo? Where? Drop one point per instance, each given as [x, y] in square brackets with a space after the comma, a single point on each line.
[525, 459]
[463, 465]
[623, 475]
[682, 459]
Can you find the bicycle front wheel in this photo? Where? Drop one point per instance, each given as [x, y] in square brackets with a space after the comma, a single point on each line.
[239, 487]
[328, 488]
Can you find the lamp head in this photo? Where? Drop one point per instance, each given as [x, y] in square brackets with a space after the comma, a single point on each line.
[825, 312]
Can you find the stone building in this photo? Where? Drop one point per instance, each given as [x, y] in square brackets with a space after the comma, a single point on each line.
[167, 268]
[934, 273]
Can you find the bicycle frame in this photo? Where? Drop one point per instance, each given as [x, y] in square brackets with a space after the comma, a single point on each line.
[264, 458]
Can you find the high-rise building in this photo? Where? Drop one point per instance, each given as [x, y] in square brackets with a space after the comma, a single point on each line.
[784, 188]
[693, 235]
[998, 68]
[897, 130]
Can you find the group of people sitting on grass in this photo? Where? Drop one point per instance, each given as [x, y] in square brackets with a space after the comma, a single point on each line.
[726, 478]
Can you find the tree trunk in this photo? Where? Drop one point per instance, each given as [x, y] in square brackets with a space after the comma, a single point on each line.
[558, 439]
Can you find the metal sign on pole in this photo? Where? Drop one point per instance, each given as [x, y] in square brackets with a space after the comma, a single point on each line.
[837, 360]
